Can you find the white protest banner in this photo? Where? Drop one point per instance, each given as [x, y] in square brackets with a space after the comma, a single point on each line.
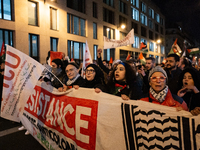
[78, 120]
[112, 43]
[20, 77]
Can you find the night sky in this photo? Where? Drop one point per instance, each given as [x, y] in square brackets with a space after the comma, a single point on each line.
[185, 11]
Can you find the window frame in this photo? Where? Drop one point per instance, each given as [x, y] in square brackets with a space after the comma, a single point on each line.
[37, 58]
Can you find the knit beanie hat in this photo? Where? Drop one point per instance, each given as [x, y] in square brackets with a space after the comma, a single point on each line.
[73, 64]
[157, 69]
[116, 61]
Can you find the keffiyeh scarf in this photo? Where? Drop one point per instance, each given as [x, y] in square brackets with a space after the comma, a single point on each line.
[69, 82]
[161, 95]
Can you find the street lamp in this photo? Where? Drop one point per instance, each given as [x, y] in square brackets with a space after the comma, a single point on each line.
[158, 41]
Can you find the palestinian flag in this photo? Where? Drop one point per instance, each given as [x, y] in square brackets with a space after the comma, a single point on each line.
[193, 50]
[142, 59]
[3, 53]
[164, 61]
[175, 49]
[128, 57]
[143, 47]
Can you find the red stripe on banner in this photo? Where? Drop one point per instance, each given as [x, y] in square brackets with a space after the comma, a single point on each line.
[76, 118]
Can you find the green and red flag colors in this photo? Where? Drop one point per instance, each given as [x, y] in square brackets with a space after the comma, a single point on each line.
[175, 49]
[142, 59]
[193, 50]
[143, 47]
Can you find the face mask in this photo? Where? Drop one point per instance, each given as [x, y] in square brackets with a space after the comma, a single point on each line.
[55, 71]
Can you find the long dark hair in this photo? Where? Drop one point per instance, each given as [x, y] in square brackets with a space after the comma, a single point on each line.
[130, 76]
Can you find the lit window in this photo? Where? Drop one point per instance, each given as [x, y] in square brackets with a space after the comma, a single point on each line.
[34, 46]
[75, 51]
[108, 53]
[95, 52]
[151, 46]
[135, 3]
[6, 36]
[53, 19]
[54, 44]
[94, 31]
[143, 8]
[157, 17]
[143, 19]
[109, 32]
[136, 42]
[135, 14]
[5, 9]
[151, 13]
[75, 25]
[32, 13]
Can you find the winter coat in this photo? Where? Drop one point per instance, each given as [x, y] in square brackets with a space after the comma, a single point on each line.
[171, 100]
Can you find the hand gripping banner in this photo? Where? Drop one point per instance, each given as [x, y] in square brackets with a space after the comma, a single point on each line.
[82, 119]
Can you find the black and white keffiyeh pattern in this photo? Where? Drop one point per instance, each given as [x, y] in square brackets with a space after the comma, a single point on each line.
[69, 82]
[161, 95]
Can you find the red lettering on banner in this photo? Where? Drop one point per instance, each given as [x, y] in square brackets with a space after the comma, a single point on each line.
[76, 118]
[12, 66]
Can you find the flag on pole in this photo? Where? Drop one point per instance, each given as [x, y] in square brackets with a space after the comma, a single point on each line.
[143, 47]
[193, 50]
[2, 54]
[20, 77]
[164, 61]
[111, 60]
[54, 55]
[87, 59]
[128, 57]
[175, 49]
[142, 59]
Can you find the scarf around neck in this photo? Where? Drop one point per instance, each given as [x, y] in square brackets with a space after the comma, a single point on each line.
[69, 82]
[161, 95]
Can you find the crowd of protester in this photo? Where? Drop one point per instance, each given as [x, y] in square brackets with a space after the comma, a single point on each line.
[175, 83]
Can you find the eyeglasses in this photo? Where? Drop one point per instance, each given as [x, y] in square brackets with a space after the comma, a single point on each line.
[161, 78]
[90, 71]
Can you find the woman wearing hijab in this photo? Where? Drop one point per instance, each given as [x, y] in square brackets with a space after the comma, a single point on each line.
[94, 78]
[189, 85]
[159, 92]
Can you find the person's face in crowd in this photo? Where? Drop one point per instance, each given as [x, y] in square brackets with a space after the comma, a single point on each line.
[109, 66]
[171, 63]
[157, 81]
[90, 73]
[149, 64]
[120, 72]
[187, 79]
[105, 64]
[54, 65]
[71, 71]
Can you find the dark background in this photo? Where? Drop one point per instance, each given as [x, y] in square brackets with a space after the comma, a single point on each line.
[185, 11]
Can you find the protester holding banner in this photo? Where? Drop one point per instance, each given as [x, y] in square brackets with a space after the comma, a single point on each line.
[189, 85]
[72, 77]
[159, 93]
[121, 81]
[94, 78]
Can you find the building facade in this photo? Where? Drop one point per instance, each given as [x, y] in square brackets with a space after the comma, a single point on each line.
[37, 26]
